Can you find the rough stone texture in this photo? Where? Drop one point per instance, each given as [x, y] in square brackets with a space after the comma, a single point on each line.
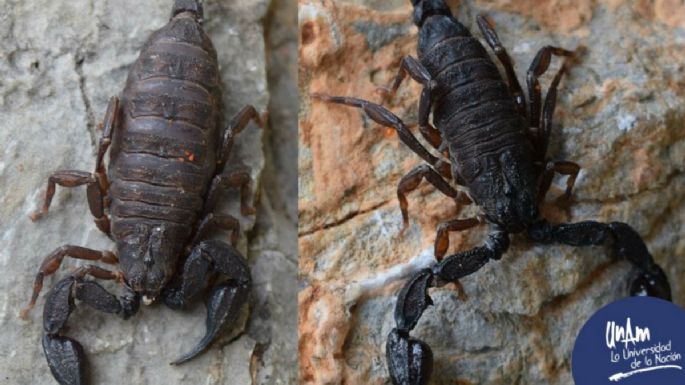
[278, 309]
[621, 115]
[61, 63]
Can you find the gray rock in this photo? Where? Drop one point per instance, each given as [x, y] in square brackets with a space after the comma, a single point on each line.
[63, 60]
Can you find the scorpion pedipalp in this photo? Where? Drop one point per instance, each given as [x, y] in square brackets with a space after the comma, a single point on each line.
[65, 358]
[65, 355]
[410, 361]
[226, 298]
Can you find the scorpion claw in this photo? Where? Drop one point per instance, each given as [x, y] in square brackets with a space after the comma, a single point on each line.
[410, 361]
[222, 306]
[58, 306]
[66, 359]
[413, 300]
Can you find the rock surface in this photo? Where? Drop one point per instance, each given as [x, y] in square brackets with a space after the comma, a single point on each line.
[61, 63]
[620, 115]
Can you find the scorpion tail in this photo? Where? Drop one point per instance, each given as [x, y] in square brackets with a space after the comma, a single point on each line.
[192, 6]
[649, 280]
[425, 8]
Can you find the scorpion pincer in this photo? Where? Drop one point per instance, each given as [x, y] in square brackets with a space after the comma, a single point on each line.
[496, 143]
[157, 198]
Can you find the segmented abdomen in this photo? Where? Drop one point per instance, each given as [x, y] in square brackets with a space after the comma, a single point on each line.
[472, 105]
[163, 150]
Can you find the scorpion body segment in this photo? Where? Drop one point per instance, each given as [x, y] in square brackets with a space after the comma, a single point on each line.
[478, 121]
[156, 200]
[496, 145]
[163, 152]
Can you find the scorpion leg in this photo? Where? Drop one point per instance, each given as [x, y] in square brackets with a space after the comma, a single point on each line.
[381, 115]
[53, 261]
[541, 140]
[410, 360]
[415, 69]
[430, 133]
[570, 169]
[225, 222]
[237, 124]
[106, 139]
[240, 179]
[419, 73]
[538, 67]
[97, 184]
[225, 299]
[542, 137]
[65, 355]
[411, 181]
[487, 28]
[442, 238]
[627, 244]
[75, 178]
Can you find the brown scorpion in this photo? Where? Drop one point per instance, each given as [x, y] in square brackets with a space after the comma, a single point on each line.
[497, 149]
[157, 197]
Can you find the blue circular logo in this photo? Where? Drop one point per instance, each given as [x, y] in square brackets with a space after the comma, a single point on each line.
[634, 341]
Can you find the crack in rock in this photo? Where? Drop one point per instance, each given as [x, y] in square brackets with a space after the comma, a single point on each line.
[342, 220]
[90, 116]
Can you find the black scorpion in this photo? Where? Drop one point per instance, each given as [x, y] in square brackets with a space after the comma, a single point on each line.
[168, 152]
[497, 149]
